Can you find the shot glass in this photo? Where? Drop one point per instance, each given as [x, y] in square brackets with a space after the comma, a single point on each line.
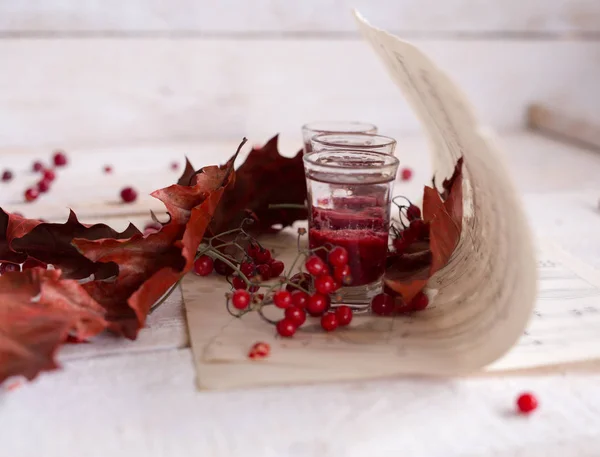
[365, 141]
[349, 199]
[314, 128]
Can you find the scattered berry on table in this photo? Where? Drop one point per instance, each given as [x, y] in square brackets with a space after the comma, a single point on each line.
[7, 175]
[240, 299]
[49, 175]
[43, 186]
[203, 266]
[37, 166]
[382, 304]
[174, 166]
[59, 158]
[419, 302]
[31, 194]
[107, 169]
[406, 174]
[129, 195]
[296, 315]
[526, 403]
[329, 322]
[259, 350]
[344, 315]
[286, 327]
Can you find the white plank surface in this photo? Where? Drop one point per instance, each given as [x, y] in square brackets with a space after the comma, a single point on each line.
[264, 16]
[116, 91]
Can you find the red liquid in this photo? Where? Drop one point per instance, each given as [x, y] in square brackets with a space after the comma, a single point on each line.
[364, 235]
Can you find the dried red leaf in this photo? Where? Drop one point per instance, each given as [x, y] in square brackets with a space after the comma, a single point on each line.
[265, 178]
[38, 311]
[13, 226]
[408, 274]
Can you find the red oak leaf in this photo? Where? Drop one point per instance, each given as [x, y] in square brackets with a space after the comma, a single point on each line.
[266, 178]
[38, 311]
[150, 265]
[408, 274]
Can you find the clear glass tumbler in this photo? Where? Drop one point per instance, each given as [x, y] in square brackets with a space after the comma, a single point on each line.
[365, 141]
[314, 128]
[349, 198]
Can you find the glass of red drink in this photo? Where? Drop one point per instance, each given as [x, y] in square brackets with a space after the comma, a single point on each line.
[315, 128]
[349, 198]
[365, 141]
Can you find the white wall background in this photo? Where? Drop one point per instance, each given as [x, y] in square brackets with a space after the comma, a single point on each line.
[102, 72]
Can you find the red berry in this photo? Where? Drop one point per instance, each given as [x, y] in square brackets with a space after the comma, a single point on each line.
[413, 212]
[240, 299]
[329, 322]
[324, 284]
[419, 229]
[406, 174]
[527, 403]
[108, 169]
[7, 267]
[299, 299]
[238, 283]
[43, 186]
[33, 263]
[247, 268]
[253, 250]
[259, 350]
[203, 266]
[301, 280]
[174, 166]
[277, 267]
[343, 275]
[264, 271]
[419, 302]
[263, 256]
[222, 268]
[315, 266]
[338, 257]
[7, 175]
[344, 315]
[296, 315]
[382, 304]
[286, 327]
[282, 299]
[31, 194]
[49, 175]
[37, 166]
[317, 304]
[60, 159]
[129, 195]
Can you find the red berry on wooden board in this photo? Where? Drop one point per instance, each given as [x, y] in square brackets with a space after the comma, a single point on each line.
[203, 266]
[37, 166]
[43, 186]
[295, 314]
[315, 266]
[338, 257]
[413, 212]
[7, 175]
[419, 302]
[277, 267]
[282, 299]
[49, 175]
[59, 158]
[344, 315]
[129, 195]
[299, 298]
[240, 299]
[247, 268]
[526, 403]
[343, 275]
[7, 267]
[329, 322]
[317, 304]
[382, 304]
[31, 194]
[263, 256]
[325, 284]
[238, 283]
[264, 271]
[107, 169]
[259, 350]
[286, 327]
[406, 174]
[222, 268]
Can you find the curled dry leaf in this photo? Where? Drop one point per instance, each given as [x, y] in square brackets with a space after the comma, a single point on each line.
[38, 311]
[408, 274]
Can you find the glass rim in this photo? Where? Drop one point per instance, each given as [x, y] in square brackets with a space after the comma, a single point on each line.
[390, 160]
[314, 127]
[388, 140]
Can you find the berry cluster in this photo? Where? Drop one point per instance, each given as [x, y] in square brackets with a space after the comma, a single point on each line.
[390, 303]
[412, 229]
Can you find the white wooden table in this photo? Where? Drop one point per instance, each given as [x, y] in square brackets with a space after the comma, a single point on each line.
[141, 399]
